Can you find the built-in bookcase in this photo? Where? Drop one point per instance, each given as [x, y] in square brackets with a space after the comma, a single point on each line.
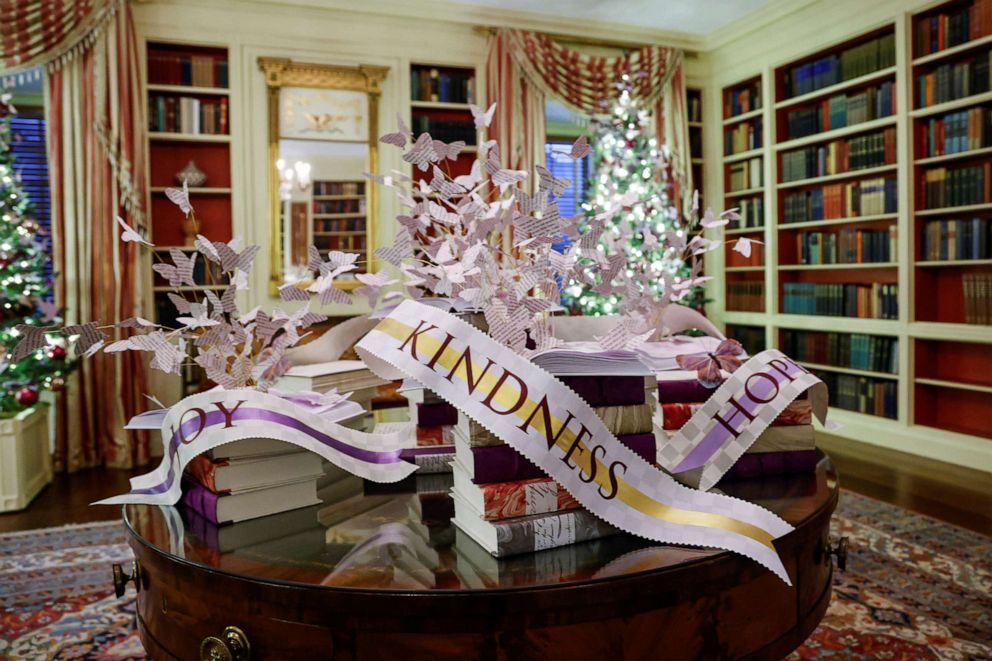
[951, 224]
[189, 121]
[694, 111]
[878, 225]
[439, 104]
[744, 190]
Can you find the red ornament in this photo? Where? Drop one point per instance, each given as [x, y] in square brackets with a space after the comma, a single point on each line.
[26, 396]
[56, 352]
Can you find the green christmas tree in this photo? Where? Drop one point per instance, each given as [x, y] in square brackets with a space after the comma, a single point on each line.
[627, 160]
[25, 288]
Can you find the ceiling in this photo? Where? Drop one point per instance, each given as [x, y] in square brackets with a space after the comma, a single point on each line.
[697, 17]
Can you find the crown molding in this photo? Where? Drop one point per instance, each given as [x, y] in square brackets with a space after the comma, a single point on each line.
[753, 21]
[444, 11]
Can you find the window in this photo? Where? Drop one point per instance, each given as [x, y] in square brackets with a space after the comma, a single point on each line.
[561, 165]
[28, 148]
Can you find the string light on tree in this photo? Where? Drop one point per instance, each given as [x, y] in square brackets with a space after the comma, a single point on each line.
[25, 288]
[628, 160]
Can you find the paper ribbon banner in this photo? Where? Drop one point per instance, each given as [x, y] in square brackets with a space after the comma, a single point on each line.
[553, 427]
[733, 418]
[206, 420]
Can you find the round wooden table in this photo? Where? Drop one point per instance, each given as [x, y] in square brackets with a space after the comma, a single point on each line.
[385, 576]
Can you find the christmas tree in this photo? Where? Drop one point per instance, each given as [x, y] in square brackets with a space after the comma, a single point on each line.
[25, 288]
[628, 163]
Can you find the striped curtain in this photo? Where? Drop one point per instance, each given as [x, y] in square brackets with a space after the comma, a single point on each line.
[96, 163]
[587, 84]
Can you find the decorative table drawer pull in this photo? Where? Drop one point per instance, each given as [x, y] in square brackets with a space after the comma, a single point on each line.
[231, 646]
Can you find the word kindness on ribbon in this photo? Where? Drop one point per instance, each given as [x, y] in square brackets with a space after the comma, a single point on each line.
[553, 427]
[735, 415]
[206, 420]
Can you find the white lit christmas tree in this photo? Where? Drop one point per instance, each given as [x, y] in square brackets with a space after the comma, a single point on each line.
[628, 164]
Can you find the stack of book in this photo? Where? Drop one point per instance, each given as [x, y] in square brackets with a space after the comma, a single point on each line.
[956, 132]
[864, 301]
[866, 197]
[842, 110]
[786, 447]
[956, 239]
[509, 506]
[848, 246]
[249, 479]
[842, 155]
[860, 60]
[742, 99]
[954, 80]
[343, 375]
[873, 353]
[187, 114]
[747, 296]
[431, 429]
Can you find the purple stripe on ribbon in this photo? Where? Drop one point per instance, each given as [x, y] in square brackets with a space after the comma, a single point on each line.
[215, 418]
[427, 449]
[718, 434]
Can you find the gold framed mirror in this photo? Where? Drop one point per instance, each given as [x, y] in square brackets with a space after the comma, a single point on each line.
[323, 134]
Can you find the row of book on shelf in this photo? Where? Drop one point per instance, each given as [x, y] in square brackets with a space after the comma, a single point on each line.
[863, 300]
[746, 296]
[745, 175]
[866, 197]
[188, 70]
[442, 85]
[874, 353]
[355, 205]
[742, 99]
[446, 130]
[187, 114]
[952, 187]
[952, 81]
[861, 394]
[356, 224]
[338, 188]
[976, 290]
[958, 24]
[752, 337]
[694, 107]
[742, 137]
[838, 156]
[751, 211]
[956, 132]
[847, 246]
[956, 239]
[842, 110]
[853, 62]
[344, 243]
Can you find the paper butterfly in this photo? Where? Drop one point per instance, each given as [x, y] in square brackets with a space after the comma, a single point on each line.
[181, 273]
[400, 137]
[580, 148]
[708, 365]
[743, 245]
[130, 234]
[422, 152]
[180, 197]
[482, 119]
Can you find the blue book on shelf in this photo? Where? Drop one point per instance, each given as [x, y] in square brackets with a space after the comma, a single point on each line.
[186, 70]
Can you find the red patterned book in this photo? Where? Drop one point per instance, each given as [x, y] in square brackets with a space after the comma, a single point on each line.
[497, 501]
[434, 435]
[798, 412]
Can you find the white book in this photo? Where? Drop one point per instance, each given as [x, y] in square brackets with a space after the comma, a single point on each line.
[235, 475]
[263, 502]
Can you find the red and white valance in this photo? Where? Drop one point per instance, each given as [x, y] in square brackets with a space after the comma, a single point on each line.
[587, 83]
[48, 32]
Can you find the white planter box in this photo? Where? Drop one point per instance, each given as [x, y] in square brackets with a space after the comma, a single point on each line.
[25, 462]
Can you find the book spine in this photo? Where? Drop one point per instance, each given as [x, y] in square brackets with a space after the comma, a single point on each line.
[769, 464]
[201, 500]
[501, 463]
[507, 500]
[530, 534]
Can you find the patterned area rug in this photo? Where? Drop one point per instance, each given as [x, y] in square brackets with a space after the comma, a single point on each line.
[915, 588]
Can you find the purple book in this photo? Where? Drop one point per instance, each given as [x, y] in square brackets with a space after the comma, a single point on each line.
[683, 391]
[607, 390]
[200, 499]
[501, 463]
[768, 464]
[436, 414]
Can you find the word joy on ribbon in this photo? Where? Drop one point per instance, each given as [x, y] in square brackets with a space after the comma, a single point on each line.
[736, 414]
[553, 427]
[206, 420]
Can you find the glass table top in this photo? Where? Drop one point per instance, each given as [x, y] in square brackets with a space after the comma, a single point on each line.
[399, 537]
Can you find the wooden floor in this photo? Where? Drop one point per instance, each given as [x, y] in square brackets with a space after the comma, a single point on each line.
[957, 495]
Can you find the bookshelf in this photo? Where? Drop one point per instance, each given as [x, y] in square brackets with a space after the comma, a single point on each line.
[915, 375]
[439, 104]
[694, 106]
[188, 97]
[338, 219]
[743, 168]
